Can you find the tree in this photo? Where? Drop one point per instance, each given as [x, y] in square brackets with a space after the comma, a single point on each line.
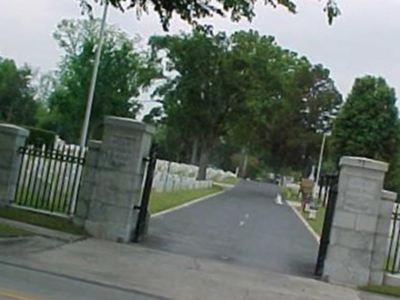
[192, 10]
[122, 72]
[201, 91]
[17, 104]
[289, 102]
[368, 122]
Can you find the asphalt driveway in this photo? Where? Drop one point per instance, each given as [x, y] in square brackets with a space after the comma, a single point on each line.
[241, 226]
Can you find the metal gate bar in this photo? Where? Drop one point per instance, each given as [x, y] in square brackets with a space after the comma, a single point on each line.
[48, 177]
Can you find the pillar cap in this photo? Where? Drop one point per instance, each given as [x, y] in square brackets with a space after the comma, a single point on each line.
[13, 130]
[364, 163]
[129, 124]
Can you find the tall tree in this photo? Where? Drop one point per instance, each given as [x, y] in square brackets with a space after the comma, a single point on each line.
[192, 10]
[368, 122]
[17, 104]
[201, 89]
[122, 72]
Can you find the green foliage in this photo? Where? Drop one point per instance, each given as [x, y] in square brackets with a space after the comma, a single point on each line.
[368, 123]
[17, 105]
[39, 137]
[243, 91]
[192, 10]
[122, 72]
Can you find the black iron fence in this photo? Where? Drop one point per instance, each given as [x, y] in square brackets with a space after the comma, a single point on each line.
[325, 184]
[49, 178]
[393, 257]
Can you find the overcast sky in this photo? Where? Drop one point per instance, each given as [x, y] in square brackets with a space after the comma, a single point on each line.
[365, 39]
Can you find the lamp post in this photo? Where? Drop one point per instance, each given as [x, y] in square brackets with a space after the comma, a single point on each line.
[321, 154]
[89, 103]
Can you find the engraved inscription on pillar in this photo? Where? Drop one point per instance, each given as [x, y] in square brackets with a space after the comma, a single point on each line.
[121, 152]
[360, 192]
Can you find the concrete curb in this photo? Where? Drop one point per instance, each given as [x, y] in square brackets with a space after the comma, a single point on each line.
[304, 221]
[45, 232]
[12, 240]
[186, 204]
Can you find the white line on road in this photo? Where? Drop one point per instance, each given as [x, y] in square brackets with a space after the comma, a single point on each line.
[241, 223]
[298, 214]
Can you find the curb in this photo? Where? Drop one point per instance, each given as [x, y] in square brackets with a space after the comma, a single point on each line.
[45, 232]
[304, 221]
[194, 201]
[12, 240]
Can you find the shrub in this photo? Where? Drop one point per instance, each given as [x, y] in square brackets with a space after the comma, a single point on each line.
[39, 137]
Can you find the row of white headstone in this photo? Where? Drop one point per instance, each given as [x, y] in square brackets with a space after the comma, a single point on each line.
[172, 176]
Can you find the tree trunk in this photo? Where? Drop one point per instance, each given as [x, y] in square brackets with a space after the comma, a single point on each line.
[204, 156]
[195, 148]
[243, 165]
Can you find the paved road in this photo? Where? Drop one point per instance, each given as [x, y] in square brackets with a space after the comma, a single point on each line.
[242, 226]
[24, 284]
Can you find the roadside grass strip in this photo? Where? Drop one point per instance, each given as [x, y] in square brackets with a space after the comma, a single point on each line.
[160, 202]
[382, 289]
[7, 231]
[42, 220]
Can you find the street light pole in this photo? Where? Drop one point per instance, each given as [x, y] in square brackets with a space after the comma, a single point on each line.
[89, 103]
[321, 154]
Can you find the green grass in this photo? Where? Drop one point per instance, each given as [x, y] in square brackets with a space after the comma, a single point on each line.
[318, 222]
[229, 180]
[290, 194]
[7, 231]
[166, 200]
[382, 289]
[51, 222]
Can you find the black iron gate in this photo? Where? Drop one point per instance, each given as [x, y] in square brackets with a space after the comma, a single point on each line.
[49, 178]
[331, 191]
[144, 215]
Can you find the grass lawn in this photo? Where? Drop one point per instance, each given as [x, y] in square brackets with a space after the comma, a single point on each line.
[7, 231]
[382, 289]
[290, 194]
[229, 180]
[51, 222]
[318, 222]
[163, 201]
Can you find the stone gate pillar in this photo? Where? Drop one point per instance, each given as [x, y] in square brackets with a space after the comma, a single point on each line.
[11, 139]
[355, 254]
[112, 184]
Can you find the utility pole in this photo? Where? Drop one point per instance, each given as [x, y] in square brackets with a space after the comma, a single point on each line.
[321, 154]
[89, 103]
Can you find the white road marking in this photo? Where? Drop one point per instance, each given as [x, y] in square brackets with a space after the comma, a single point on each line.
[298, 214]
[247, 216]
[241, 223]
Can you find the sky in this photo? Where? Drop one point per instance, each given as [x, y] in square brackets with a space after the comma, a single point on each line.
[365, 39]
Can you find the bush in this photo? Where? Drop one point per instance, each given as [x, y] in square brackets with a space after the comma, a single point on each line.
[39, 137]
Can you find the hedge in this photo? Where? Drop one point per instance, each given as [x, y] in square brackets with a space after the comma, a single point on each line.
[39, 137]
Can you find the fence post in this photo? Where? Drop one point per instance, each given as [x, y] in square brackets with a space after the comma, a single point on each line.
[353, 236]
[11, 139]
